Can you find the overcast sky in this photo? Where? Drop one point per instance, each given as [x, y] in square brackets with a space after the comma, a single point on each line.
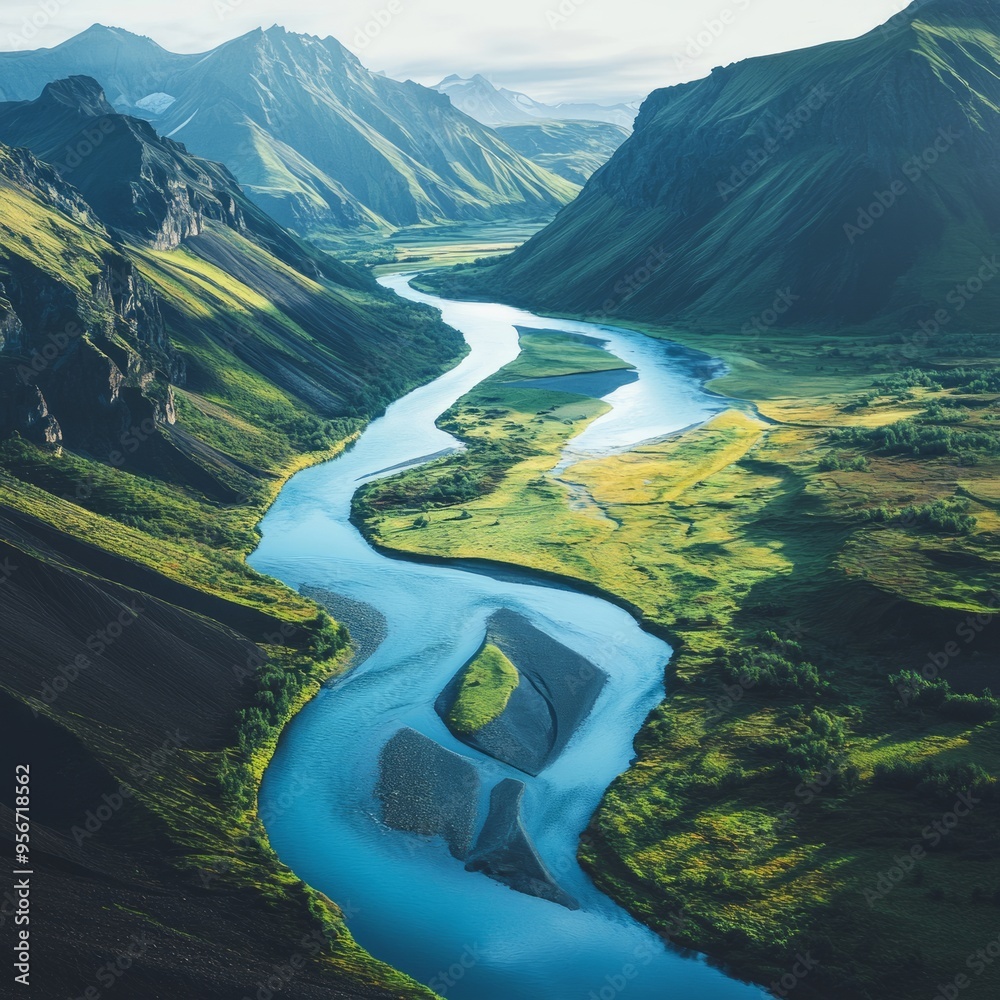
[606, 50]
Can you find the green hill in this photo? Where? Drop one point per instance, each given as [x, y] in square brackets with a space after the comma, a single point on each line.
[574, 150]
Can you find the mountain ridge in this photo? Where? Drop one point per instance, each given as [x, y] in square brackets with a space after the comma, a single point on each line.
[134, 177]
[316, 139]
[575, 150]
[152, 399]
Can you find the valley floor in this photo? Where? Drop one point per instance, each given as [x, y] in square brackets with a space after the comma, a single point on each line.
[818, 792]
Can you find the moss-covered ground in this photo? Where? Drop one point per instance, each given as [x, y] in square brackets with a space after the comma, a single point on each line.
[485, 687]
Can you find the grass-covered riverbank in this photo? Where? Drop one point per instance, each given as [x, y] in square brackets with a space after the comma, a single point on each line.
[802, 563]
[168, 712]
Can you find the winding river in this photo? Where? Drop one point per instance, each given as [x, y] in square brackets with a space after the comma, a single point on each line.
[407, 900]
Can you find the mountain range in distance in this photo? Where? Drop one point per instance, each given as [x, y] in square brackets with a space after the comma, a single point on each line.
[316, 139]
[492, 105]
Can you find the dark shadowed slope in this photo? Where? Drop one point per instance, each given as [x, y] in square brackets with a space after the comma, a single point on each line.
[224, 286]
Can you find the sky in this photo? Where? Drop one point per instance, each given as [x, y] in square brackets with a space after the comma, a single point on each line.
[553, 50]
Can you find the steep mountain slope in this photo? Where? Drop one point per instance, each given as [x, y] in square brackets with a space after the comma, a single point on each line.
[133, 178]
[491, 105]
[151, 402]
[317, 139]
[574, 150]
[853, 182]
[293, 316]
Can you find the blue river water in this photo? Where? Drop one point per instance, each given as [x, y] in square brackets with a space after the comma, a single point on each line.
[407, 900]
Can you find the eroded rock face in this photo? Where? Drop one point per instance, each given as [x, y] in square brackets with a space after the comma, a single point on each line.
[557, 692]
[505, 852]
[84, 373]
[428, 790]
[11, 330]
[23, 409]
[133, 307]
[141, 183]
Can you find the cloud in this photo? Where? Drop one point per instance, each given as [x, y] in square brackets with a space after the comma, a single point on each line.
[555, 50]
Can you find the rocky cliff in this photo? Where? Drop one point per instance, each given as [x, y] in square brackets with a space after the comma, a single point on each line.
[99, 321]
[84, 360]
